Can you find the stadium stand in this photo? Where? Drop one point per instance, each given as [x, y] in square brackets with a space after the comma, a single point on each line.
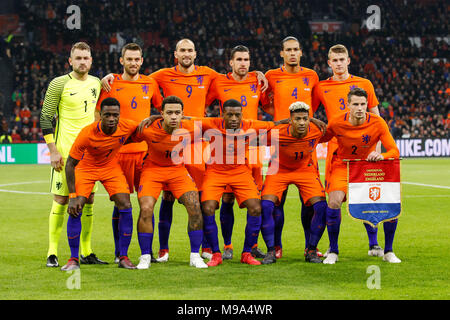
[407, 62]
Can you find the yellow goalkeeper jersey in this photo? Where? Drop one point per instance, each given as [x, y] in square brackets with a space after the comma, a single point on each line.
[71, 103]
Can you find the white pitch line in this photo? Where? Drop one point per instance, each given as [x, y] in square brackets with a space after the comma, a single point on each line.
[427, 185]
[21, 183]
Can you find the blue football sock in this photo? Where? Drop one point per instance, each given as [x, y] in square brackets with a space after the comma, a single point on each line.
[195, 238]
[251, 232]
[333, 220]
[372, 233]
[73, 235]
[226, 221]
[389, 233]
[125, 230]
[165, 222]
[210, 232]
[307, 214]
[318, 223]
[278, 218]
[267, 223]
[115, 228]
[145, 240]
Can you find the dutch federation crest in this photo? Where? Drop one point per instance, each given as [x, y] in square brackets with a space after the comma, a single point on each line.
[374, 191]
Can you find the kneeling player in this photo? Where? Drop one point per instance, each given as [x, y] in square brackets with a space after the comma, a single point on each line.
[357, 133]
[295, 143]
[231, 173]
[160, 170]
[93, 158]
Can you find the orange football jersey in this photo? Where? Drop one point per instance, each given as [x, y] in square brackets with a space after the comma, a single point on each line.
[290, 152]
[164, 148]
[356, 142]
[96, 149]
[247, 92]
[288, 88]
[134, 98]
[234, 144]
[333, 94]
[192, 88]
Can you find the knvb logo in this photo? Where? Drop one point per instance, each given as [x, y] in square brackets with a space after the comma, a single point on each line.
[374, 193]
[74, 20]
[366, 138]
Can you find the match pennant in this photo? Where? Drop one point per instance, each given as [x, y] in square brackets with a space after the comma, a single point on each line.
[374, 190]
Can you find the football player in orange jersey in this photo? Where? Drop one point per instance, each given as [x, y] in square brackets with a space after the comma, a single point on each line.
[234, 173]
[294, 145]
[163, 168]
[287, 84]
[241, 85]
[93, 158]
[332, 94]
[357, 132]
[134, 91]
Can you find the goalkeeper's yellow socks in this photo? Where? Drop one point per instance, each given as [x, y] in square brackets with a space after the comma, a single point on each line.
[56, 221]
[86, 229]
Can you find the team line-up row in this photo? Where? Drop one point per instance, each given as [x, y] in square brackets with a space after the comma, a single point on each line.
[113, 151]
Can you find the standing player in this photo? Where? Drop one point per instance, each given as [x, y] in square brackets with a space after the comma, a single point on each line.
[357, 132]
[332, 94]
[72, 97]
[241, 85]
[295, 142]
[134, 92]
[92, 158]
[287, 84]
[161, 169]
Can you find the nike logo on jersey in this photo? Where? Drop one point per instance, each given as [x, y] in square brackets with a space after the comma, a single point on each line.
[73, 93]
[173, 79]
[226, 90]
[118, 89]
[278, 81]
[326, 91]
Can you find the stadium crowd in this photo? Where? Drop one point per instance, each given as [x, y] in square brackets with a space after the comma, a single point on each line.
[405, 61]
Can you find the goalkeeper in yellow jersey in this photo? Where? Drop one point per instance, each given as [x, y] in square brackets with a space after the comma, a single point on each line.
[72, 99]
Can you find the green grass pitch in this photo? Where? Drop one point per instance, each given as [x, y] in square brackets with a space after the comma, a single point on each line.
[422, 243]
